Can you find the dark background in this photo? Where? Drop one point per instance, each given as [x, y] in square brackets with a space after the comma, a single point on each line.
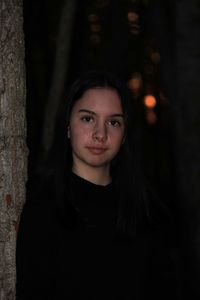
[97, 34]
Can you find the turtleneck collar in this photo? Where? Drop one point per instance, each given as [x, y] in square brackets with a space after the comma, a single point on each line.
[94, 203]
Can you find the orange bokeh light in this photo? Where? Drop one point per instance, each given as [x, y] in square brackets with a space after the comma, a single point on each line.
[149, 101]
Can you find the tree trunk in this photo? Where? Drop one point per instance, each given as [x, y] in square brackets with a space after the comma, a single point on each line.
[13, 150]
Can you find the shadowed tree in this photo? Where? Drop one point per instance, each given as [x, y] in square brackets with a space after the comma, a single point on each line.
[60, 70]
[177, 24]
[13, 150]
[187, 110]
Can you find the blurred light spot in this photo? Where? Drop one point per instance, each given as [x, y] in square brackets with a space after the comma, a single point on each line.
[135, 29]
[149, 101]
[155, 57]
[151, 116]
[132, 16]
[135, 82]
[95, 27]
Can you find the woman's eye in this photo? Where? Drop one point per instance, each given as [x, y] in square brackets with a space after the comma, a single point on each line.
[114, 123]
[87, 119]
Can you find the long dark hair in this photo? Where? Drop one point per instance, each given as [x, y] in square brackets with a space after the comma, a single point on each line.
[125, 168]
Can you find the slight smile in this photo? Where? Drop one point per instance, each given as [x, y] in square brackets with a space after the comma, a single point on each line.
[96, 150]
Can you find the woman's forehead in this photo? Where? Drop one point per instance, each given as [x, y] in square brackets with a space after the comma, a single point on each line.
[101, 99]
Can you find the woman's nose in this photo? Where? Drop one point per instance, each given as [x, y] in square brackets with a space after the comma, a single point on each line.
[100, 132]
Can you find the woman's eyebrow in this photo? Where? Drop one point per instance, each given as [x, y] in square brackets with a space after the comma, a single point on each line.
[87, 111]
[117, 115]
[93, 113]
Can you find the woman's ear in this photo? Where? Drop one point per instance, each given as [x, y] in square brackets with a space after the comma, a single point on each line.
[68, 132]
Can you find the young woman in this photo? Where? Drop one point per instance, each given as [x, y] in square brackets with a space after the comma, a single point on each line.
[83, 229]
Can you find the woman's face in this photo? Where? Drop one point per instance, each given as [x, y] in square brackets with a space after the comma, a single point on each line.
[96, 128]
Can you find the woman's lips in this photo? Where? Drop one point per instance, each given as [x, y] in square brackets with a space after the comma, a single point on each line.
[96, 150]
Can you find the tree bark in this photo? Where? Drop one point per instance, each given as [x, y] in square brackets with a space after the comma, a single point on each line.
[13, 150]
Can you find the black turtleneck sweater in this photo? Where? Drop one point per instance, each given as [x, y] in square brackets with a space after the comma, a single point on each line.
[81, 258]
